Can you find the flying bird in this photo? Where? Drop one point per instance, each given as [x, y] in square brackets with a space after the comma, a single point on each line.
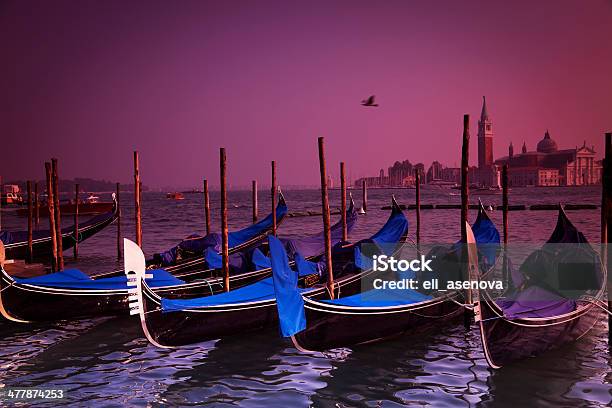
[369, 101]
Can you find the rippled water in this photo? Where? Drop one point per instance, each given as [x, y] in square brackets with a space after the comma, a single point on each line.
[107, 362]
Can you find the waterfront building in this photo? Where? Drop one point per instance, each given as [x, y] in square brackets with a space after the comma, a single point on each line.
[549, 166]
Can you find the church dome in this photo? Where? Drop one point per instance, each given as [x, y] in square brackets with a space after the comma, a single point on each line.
[547, 145]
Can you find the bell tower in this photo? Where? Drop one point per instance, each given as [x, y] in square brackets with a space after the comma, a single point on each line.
[485, 138]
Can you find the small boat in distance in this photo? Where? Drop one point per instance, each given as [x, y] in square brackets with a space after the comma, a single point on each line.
[11, 195]
[92, 199]
[175, 196]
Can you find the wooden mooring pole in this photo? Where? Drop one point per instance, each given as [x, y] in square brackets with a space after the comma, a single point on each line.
[254, 200]
[465, 148]
[505, 222]
[273, 194]
[606, 222]
[76, 222]
[30, 221]
[137, 196]
[326, 218]
[224, 229]
[364, 195]
[58, 218]
[206, 206]
[343, 201]
[417, 180]
[50, 207]
[117, 189]
[36, 206]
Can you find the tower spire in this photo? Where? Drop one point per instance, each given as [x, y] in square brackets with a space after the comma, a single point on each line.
[484, 115]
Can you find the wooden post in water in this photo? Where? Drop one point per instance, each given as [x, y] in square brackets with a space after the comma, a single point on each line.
[76, 222]
[224, 232]
[326, 218]
[273, 193]
[36, 206]
[417, 181]
[465, 148]
[30, 221]
[364, 195]
[505, 222]
[343, 201]
[606, 221]
[137, 196]
[117, 188]
[50, 206]
[254, 200]
[58, 218]
[206, 207]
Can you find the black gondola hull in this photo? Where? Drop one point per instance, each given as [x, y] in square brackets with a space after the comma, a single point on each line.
[331, 327]
[38, 303]
[507, 341]
[42, 247]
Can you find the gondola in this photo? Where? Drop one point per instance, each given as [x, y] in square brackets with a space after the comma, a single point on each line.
[69, 208]
[376, 314]
[71, 294]
[186, 260]
[176, 322]
[16, 243]
[536, 313]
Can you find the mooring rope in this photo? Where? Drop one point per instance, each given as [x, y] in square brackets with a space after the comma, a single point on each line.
[10, 284]
[599, 303]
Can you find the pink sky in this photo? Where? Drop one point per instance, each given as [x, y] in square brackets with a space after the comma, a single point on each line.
[90, 81]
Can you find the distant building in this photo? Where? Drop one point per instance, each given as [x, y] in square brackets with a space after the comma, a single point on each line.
[399, 171]
[435, 172]
[549, 166]
[451, 175]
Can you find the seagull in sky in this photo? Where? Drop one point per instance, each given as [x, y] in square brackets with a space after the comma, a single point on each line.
[369, 101]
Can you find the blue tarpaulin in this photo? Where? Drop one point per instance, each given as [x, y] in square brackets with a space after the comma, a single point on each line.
[75, 279]
[289, 301]
[258, 291]
[381, 298]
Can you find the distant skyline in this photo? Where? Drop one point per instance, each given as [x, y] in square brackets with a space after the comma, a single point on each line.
[88, 82]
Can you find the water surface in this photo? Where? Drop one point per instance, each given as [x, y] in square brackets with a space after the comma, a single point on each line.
[107, 362]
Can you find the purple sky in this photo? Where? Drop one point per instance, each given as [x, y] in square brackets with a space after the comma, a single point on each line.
[90, 81]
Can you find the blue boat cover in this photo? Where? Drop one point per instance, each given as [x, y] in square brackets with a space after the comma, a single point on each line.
[305, 267]
[487, 237]
[258, 291]
[289, 301]
[75, 279]
[534, 302]
[213, 258]
[381, 298]
[6, 237]
[260, 260]
[393, 230]
[196, 244]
